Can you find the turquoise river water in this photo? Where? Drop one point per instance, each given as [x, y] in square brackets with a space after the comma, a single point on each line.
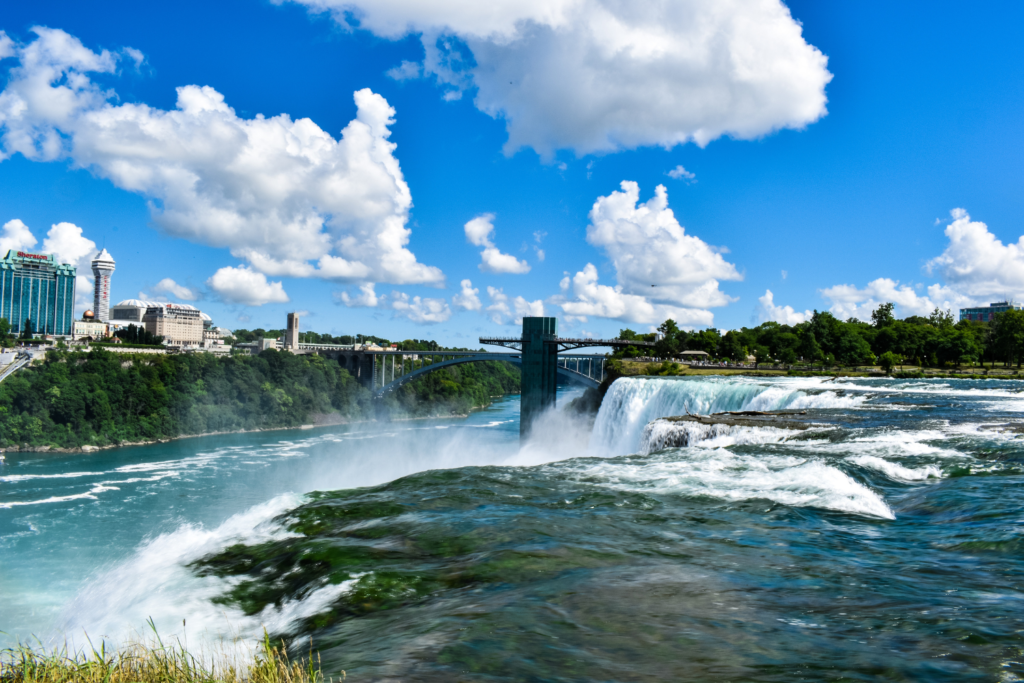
[886, 542]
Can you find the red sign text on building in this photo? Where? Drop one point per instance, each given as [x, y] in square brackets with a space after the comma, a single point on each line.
[22, 254]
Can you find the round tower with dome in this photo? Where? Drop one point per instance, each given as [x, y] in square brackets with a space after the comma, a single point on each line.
[102, 269]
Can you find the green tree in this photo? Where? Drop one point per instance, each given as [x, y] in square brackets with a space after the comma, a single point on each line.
[761, 355]
[1008, 336]
[5, 333]
[705, 340]
[852, 348]
[883, 316]
[732, 347]
[26, 329]
[889, 359]
[669, 345]
[941, 319]
[810, 349]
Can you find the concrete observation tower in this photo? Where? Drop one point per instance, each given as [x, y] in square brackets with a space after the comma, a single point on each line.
[102, 269]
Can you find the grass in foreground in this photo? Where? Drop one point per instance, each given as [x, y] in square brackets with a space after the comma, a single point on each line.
[154, 662]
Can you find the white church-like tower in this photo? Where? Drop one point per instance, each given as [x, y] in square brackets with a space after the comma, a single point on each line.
[102, 269]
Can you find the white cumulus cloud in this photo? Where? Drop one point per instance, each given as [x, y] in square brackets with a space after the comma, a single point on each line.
[648, 247]
[780, 314]
[6, 46]
[169, 286]
[977, 263]
[850, 302]
[16, 236]
[68, 244]
[582, 296]
[605, 75]
[504, 310]
[976, 268]
[367, 297]
[280, 193]
[468, 298]
[680, 173]
[658, 267]
[479, 232]
[424, 311]
[243, 285]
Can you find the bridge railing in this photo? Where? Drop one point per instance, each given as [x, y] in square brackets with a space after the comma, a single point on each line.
[590, 366]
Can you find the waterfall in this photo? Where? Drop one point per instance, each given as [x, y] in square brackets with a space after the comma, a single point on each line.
[631, 403]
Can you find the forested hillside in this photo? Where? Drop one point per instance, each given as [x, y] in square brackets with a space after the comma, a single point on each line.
[101, 398]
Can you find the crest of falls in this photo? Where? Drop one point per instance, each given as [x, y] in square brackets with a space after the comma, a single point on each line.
[631, 403]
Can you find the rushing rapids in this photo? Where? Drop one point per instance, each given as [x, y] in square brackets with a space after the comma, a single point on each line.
[881, 541]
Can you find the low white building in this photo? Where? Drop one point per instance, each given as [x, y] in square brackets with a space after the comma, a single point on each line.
[131, 311]
[178, 324]
[93, 329]
[89, 327]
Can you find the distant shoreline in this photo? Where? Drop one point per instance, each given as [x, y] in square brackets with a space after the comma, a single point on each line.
[638, 369]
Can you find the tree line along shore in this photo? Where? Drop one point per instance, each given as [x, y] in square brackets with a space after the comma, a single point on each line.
[101, 398]
[824, 342]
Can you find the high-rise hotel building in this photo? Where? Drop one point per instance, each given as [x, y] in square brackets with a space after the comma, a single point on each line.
[34, 287]
[102, 269]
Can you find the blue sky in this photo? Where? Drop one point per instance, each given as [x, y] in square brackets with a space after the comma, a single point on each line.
[906, 189]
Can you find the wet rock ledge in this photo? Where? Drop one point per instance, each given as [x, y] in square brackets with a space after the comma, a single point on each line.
[747, 418]
[688, 430]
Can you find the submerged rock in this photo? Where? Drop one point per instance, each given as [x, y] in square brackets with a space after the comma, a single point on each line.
[1011, 427]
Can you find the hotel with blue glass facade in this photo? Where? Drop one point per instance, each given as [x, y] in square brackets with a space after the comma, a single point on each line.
[988, 313]
[35, 287]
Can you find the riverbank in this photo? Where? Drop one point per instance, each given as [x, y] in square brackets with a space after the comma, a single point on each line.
[81, 402]
[321, 421]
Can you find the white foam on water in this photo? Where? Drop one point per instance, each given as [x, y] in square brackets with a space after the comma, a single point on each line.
[662, 434]
[827, 400]
[92, 493]
[67, 475]
[154, 581]
[1005, 398]
[196, 461]
[896, 471]
[900, 443]
[281, 619]
[719, 473]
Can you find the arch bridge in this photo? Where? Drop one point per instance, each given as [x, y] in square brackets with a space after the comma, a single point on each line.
[537, 352]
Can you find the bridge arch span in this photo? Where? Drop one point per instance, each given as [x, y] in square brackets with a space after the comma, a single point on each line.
[481, 358]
